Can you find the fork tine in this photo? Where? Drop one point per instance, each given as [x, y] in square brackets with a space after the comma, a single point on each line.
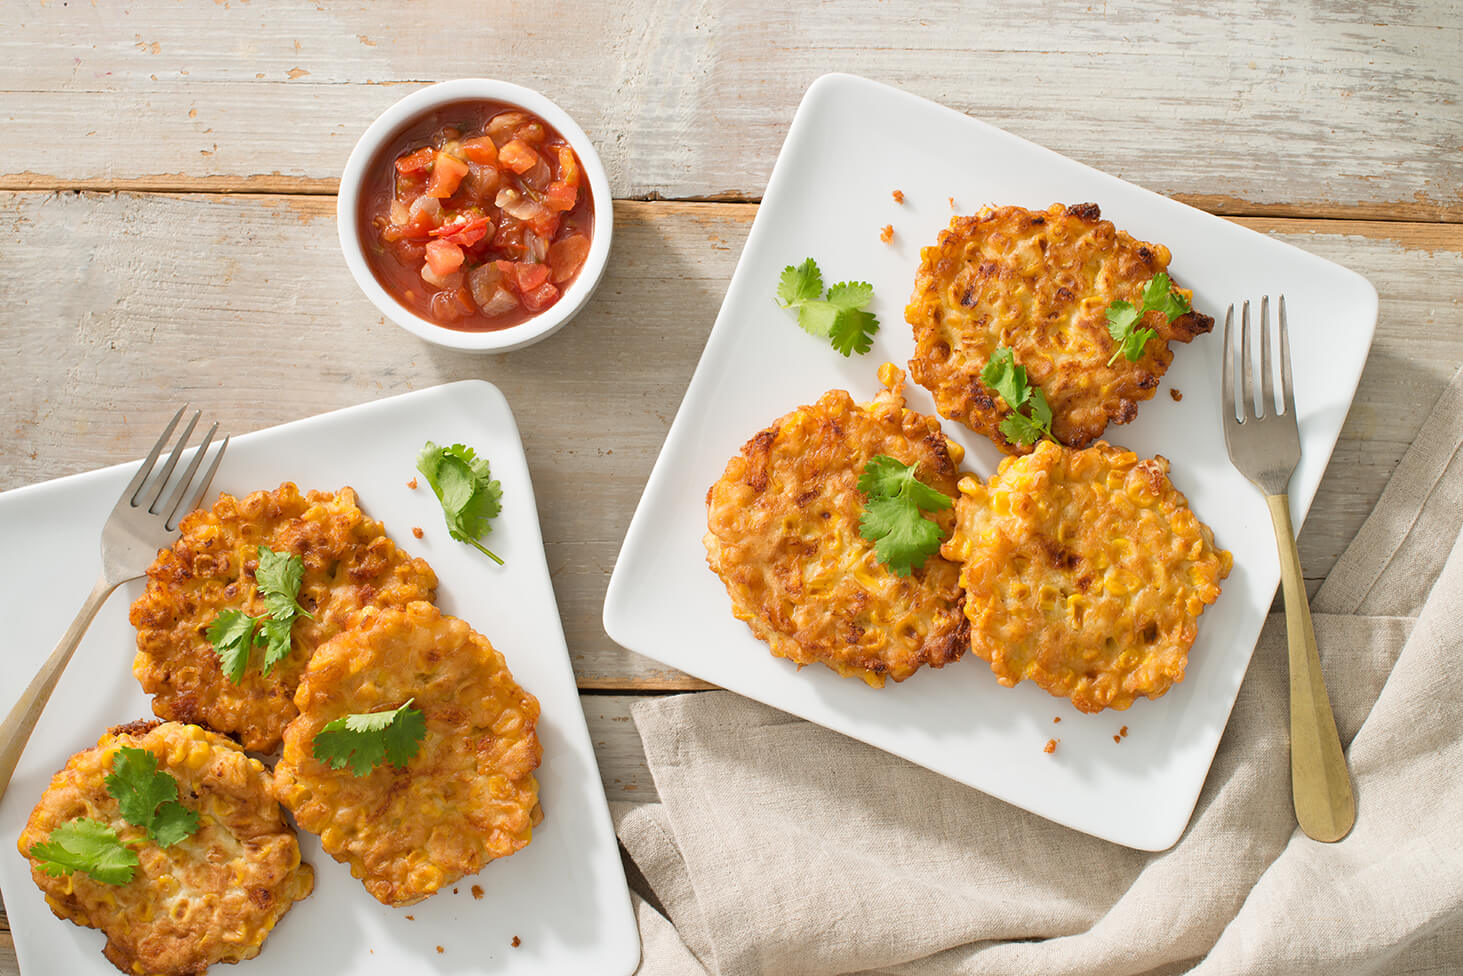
[1287, 388]
[207, 479]
[162, 481]
[134, 487]
[175, 498]
[1267, 383]
[1226, 384]
[1247, 372]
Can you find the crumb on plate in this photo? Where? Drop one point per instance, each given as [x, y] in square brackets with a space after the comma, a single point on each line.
[887, 234]
[416, 530]
[1056, 718]
[1177, 396]
[516, 942]
[898, 196]
[477, 892]
[412, 484]
[440, 950]
[1051, 746]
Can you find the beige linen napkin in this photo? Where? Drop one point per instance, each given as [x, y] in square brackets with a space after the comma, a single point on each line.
[781, 847]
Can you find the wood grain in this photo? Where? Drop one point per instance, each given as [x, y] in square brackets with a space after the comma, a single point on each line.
[120, 304]
[1312, 108]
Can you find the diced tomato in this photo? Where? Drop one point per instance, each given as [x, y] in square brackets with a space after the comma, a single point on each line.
[444, 257]
[541, 297]
[464, 232]
[416, 162]
[480, 150]
[565, 257]
[561, 196]
[530, 276]
[517, 156]
[447, 173]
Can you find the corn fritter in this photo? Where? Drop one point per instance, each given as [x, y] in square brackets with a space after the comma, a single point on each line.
[213, 896]
[783, 535]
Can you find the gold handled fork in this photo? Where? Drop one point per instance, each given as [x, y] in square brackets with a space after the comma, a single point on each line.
[140, 525]
[1265, 447]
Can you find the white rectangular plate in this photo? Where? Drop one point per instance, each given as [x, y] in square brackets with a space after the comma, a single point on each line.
[564, 896]
[852, 143]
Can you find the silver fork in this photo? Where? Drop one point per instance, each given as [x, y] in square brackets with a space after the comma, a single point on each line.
[140, 525]
[1265, 447]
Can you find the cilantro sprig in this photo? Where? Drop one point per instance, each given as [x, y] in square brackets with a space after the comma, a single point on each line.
[146, 797]
[1002, 374]
[1123, 318]
[363, 740]
[839, 317]
[893, 500]
[234, 633]
[149, 798]
[88, 846]
[464, 485]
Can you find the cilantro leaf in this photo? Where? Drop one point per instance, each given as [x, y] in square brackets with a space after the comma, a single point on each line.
[278, 578]
[1041, 411]
[1002, 374]
[817, 317]
[232, 635]
[470, 498]
[274, 637]
[839, 317]
[149, 798]
[853, 331]
[1123, 318]
[363, 740]
[851, 294]
[1159, 294]
[1021, 429]
[800, 284]
[903, 538]
[89, 846]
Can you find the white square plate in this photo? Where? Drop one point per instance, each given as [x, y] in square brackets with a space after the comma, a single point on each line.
[851, 144]
[564, 895]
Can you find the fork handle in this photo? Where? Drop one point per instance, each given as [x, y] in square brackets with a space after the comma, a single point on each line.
[21, 721]
[1324, 804]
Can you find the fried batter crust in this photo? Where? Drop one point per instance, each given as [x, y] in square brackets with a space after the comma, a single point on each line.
[783, 536]
[211, 897]
[1039, 284]
[468, 796]
[1085, 572]
[350, 563]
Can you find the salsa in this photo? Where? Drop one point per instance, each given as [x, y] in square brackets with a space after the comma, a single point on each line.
[477, 216]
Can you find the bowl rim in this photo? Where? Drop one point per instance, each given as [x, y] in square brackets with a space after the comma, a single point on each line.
[420, 102]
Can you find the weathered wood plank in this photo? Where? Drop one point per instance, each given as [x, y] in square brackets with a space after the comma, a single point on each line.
[1238, 106]
[617, 746]
[119, 304]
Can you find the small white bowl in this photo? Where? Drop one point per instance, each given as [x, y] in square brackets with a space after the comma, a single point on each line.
[404, 112]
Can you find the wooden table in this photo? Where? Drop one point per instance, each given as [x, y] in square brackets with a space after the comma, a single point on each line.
[167, 228]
